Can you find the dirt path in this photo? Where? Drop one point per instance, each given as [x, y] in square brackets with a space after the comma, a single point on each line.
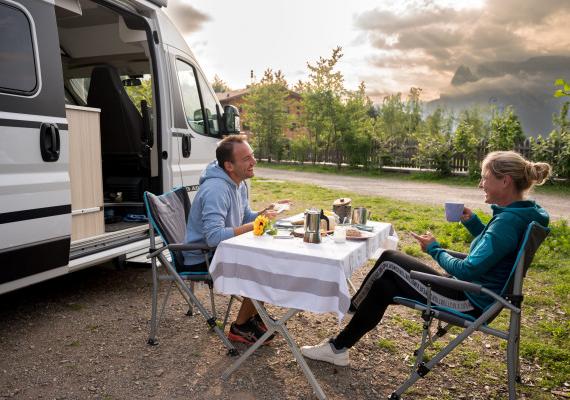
[419, 192]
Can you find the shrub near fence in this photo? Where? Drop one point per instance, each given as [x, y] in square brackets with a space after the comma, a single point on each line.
[404, 155]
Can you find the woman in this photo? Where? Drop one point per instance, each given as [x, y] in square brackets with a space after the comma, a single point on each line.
[506, 177]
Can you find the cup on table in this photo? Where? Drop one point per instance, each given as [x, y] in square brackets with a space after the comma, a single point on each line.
[453, 211]
[339, 235]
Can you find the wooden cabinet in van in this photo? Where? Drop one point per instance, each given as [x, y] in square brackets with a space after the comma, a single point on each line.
[85, 172]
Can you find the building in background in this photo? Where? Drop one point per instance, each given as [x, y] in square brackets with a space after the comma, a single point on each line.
[294, 109]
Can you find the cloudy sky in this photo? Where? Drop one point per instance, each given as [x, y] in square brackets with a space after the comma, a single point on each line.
[391, 45]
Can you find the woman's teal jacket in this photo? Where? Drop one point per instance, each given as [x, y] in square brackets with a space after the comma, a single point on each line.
[494, 249]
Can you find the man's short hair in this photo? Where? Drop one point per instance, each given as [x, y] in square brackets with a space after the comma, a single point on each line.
[225, 149]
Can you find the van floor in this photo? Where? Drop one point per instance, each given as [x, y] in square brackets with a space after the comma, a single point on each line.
[118, 226]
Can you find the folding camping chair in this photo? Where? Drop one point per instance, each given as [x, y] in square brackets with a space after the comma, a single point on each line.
[167, 215]
[510, 298]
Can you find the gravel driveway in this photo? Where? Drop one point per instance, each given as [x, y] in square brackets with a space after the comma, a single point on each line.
[420, 192]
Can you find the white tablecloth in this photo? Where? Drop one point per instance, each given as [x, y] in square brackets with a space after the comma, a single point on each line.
[293, 274]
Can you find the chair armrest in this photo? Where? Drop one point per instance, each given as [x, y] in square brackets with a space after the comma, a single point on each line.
[181, 247]
[447, 282]
[461, 285]
[189, 246]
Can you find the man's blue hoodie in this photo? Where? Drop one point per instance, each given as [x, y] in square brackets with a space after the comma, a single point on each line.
[219, 206]
[494, 249]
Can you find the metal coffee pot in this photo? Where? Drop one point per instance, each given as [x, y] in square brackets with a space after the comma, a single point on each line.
[342, 207]
[360, 216]
[313, 219]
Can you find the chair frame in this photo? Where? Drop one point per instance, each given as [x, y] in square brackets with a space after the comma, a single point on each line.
[511, 299]
[184, 282]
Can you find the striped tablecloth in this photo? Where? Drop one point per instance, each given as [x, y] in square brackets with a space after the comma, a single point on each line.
[293, 274]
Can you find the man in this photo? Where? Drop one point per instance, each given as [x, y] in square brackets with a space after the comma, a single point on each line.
[220, 211]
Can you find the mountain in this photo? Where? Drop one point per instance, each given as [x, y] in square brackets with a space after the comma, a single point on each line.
[527, 85]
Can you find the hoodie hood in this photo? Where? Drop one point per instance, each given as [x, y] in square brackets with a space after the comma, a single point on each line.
[527, 210]
[214, 171]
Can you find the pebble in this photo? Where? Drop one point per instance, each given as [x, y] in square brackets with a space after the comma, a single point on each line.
[159, 372]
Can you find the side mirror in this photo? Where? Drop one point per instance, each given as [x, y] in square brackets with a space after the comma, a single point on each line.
[231, 119]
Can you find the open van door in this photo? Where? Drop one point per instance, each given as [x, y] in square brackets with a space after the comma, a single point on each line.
[35, 204]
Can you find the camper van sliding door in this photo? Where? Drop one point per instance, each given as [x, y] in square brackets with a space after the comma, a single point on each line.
[35, 209]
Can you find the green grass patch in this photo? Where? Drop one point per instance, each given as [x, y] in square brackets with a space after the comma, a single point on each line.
[387, 344]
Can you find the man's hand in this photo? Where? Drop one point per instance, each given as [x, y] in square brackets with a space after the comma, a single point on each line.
[424, 240]
[467, 214]
[271, 214]
[277, 207]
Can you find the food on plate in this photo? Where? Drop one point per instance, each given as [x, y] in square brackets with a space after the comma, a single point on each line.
[352, 232]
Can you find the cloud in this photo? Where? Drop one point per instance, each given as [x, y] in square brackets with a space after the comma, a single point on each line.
[437, 39]
[187, 18]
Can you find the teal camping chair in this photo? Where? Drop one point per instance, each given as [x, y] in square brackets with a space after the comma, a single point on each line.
[510, 298]
[167, 215]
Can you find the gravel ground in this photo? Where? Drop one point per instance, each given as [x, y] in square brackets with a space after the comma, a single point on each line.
[83, 336]
[558, 206]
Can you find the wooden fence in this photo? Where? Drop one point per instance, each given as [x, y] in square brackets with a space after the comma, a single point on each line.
[404, 155]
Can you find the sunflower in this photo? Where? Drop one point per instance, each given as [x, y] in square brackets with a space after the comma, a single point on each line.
[260, 225]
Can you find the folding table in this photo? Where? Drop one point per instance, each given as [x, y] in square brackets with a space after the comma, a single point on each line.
[295, 275]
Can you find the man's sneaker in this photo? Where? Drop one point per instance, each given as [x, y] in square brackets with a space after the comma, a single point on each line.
[256, 319]
[325, 351]
[258, 322]
[247, 333]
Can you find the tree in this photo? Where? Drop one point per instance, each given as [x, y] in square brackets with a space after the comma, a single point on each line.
[555, 149]
[356, 129]
[266, 110]
[471, 131]
[321, 100]
[219, 85]
[564, 91]
[505, 130]
[435, 145]
[141, 92]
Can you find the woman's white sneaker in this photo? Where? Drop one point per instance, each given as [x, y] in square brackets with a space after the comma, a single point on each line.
[325, 351]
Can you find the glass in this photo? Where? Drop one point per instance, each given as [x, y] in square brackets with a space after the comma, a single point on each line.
[339, 235]
[190, 96]
[17, 63]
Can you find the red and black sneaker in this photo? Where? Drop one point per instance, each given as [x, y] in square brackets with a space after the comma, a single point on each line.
[256, 319]
[247, 333]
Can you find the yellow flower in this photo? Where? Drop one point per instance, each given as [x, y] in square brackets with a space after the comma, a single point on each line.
[260, 225]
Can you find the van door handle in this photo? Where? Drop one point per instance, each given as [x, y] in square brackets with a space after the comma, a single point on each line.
[186, 146]
[49, 142]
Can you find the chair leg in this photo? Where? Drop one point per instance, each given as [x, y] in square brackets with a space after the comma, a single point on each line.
[153, 318]
[213, 304]
[190, 311]
[513, 362]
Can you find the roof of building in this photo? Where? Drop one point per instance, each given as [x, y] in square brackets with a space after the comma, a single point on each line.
[232, 94]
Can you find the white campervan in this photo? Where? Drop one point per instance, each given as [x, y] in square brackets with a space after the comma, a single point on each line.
[100, 100]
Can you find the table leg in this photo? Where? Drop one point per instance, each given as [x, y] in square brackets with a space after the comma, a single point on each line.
[351, 286]
[279, 326]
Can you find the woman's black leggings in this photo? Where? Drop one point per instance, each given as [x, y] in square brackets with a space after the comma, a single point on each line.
[390, 278]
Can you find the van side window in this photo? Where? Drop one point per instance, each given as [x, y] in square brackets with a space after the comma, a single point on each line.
[190, 96]
[209, 106]
[17, 62]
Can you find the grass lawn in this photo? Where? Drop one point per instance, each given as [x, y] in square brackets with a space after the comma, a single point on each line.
[558, 188]
[545, 341]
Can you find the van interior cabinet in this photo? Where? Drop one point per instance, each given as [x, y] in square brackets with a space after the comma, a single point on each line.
[85, 172]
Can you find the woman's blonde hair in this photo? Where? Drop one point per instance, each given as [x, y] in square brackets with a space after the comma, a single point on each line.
[525, 174]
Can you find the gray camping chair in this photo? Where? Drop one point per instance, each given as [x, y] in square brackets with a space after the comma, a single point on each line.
[167, 215]
[510, 298]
